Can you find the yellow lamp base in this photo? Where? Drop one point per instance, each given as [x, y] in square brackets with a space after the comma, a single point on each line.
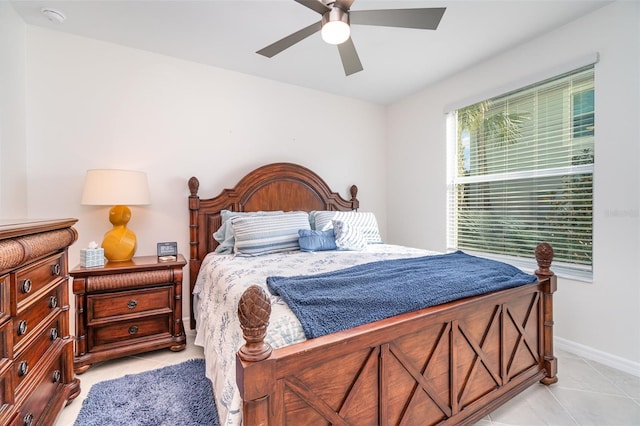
[119, 243]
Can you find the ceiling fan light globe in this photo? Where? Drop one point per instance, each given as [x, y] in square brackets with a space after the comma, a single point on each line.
[336, 32]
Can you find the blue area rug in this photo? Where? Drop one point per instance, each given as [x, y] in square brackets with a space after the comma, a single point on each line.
[178, 394]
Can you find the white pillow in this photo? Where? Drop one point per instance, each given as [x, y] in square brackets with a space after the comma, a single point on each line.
[258, 235]
[348, 237]
[365, 222]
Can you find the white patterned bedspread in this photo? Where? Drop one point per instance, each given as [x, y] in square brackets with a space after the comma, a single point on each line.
[221, 282]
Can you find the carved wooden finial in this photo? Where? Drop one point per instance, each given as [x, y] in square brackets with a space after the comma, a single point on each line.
[194, 184]
[254, 310]
[355, 204]
[544, 256]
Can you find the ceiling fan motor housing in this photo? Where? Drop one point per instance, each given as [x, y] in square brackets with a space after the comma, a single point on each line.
[336, 14]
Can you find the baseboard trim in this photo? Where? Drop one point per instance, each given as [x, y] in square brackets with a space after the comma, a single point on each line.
[593, 354]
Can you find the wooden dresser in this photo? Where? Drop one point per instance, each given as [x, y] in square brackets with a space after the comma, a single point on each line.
[36, 350]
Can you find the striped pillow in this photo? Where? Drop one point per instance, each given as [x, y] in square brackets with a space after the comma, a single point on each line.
[258, 235]
[365, 222]
[348, 237]
[224, 234]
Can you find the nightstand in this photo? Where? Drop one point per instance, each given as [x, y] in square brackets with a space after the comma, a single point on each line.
[125, 308]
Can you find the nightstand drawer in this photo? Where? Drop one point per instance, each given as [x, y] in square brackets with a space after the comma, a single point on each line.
[115, 306]
[27, 281]
[124, 332]
[27, 321]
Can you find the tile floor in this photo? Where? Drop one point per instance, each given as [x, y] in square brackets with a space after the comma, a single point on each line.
[587, 393]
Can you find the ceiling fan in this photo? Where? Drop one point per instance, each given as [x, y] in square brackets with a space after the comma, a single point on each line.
[336, 21]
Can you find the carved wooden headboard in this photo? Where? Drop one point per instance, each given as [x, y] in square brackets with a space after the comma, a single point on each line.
[277, 186]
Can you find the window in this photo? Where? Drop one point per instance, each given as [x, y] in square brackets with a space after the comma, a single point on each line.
[521, 172]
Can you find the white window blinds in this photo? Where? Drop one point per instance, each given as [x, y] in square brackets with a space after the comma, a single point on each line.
[521, 172]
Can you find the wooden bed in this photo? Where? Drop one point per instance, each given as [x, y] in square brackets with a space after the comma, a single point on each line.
[448, 364]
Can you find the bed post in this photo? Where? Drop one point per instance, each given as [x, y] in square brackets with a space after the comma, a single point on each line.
[544, 256]
[194, 246]
[254, 310]
[355, 204]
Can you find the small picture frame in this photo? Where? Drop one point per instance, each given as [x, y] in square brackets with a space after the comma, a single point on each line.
[167, 251]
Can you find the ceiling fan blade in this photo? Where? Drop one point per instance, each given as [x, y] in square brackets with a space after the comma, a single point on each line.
[316, 5]
[280, 45]
[427, 19]
[350, 60]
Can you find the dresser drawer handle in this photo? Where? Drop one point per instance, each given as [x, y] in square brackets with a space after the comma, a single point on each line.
[56, 376]
[133, 329]
[53, 302]
[53, 334]
[55, 269]
[23, 368]
[132, 304]
[22, 327]
[25, 287]
[28, 419]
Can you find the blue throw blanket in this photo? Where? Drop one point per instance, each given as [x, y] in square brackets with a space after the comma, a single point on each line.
[335, 301]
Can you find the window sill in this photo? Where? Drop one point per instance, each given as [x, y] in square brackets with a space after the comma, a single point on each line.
[529, 266]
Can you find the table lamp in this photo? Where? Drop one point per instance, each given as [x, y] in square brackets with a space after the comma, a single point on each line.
[117, 188]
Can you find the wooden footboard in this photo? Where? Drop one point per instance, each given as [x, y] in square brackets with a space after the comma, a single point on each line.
[451, 363]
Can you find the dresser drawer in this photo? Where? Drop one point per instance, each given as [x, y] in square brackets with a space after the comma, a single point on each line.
[6, 396]
[28, 320]
[5, 307]
[115, 306]
[124, 333]
[29, 280]
[26, 362]
[32, 409]
[6, 341]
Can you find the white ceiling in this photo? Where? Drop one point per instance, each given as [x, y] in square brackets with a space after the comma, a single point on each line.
[227, 33]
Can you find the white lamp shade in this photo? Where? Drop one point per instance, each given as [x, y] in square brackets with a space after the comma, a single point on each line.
[110, 187]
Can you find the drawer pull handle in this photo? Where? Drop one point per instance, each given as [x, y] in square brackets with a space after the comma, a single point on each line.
[26, 286]
[132, 304]
[55, 269]
[56, 376]
[53, 302]
[28, 419]
[133, 329]
[23, 368]
[53, 334]
[22, 327]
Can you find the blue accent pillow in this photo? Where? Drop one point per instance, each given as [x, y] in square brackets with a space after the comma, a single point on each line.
[312, 240]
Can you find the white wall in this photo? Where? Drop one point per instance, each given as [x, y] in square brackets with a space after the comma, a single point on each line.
[90, 104]
[13, 146]
[97, 105]
[602, 316]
